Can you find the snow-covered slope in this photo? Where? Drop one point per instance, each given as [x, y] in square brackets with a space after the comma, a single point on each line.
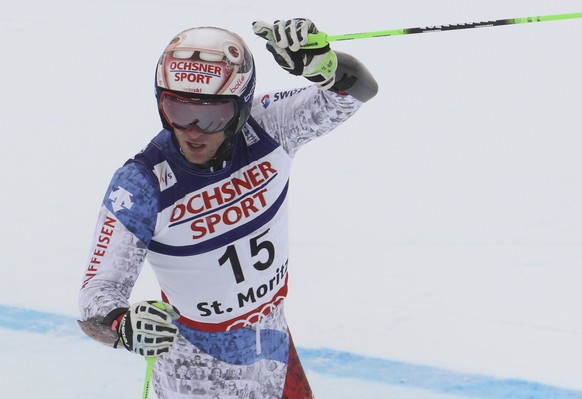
[440, 227]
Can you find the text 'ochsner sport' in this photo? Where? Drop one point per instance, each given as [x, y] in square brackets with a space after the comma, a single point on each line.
[230, 191]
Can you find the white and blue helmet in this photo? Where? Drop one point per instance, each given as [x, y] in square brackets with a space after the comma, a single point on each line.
[208, 64]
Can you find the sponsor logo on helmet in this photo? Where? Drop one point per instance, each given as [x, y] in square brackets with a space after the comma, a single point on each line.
[180, 66]
[195, 72]
[238, 84]
[251, 91]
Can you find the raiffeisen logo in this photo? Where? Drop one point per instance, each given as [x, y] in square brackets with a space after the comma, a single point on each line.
[266, 100]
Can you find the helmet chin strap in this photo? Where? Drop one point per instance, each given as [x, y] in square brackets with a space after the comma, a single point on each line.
[223, 154]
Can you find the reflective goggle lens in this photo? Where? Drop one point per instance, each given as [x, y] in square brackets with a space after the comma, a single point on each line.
[210, 116]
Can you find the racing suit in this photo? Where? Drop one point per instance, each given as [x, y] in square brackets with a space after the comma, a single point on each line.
[217, 240]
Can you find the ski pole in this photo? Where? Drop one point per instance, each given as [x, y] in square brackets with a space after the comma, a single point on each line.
[150, 360]
[321, 39]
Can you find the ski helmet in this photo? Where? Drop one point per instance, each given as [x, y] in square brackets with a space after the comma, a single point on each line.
[206, 65]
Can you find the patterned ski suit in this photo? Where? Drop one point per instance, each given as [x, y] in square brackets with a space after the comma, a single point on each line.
[218, 244]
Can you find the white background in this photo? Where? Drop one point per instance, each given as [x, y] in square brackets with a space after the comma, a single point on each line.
[440, 226]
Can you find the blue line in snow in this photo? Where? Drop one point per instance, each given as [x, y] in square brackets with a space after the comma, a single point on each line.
[348, 365]
[341, 365]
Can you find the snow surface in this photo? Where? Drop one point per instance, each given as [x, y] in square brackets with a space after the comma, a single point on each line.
[438, 232]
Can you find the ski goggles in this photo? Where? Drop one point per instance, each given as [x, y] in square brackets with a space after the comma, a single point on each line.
[209, 115]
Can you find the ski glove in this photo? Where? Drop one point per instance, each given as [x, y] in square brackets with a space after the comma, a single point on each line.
[284, 41]
[146, 327]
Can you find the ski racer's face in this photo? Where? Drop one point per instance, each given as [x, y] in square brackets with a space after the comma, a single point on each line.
[196, 146]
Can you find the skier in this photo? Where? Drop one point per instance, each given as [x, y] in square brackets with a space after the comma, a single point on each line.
[207, 200]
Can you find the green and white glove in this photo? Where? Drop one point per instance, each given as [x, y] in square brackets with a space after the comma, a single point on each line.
[285, 40]
[146, 327]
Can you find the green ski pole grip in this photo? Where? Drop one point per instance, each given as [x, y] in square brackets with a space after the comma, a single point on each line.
[316, 40]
